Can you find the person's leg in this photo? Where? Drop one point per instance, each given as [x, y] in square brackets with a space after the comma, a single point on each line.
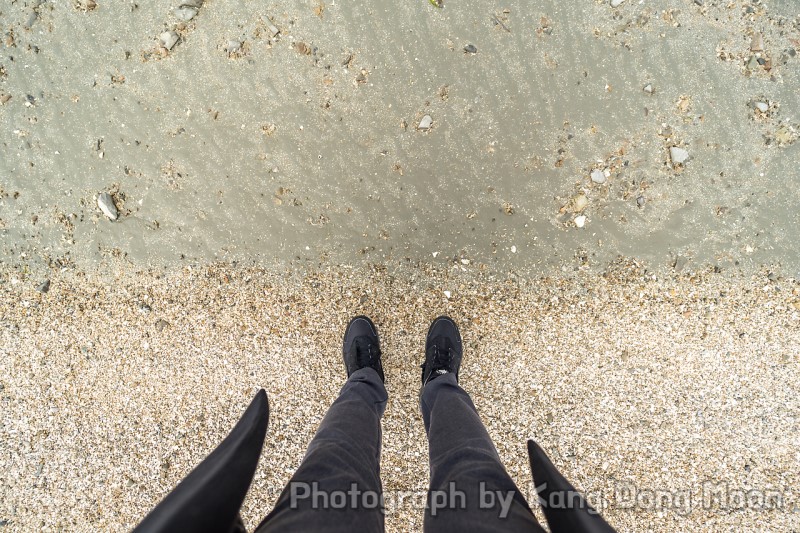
[470, 489]
[337, 486]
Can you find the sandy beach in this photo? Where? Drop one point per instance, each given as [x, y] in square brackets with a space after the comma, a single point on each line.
[112, 391]
[196, 196]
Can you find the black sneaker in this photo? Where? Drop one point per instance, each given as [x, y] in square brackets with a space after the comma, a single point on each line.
[361, 346]
[443, 350]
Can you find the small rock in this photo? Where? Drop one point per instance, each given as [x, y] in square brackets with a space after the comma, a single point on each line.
[640, 201]
[513, 249]
[233, 46]
[161, 324]
[168, 39]
[649, 89]
[616, 3]
[106, 204]
[757, 43]
[44, 286]
[580, 221]
[761, 106]
[425, 123]
[752, 64]
[678, 155]
[302, 48]
[579, 203]
[185, 13]
[31, 20]
[4, 98]
[598, 176]
[679, 263]
[470, 49]
[273, 30]
[447, 294]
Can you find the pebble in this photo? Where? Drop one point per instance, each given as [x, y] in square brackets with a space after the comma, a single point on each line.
[44, 286]
[447, 294]
[579, 203]
[425, 123]
[185, 13]
[471, 49]
[31, 20]
[513, 249]
[640, 201]
[598, 176]
[580, 221]
[757, 44]
[106, 204]
[678, 155]
[168, 39]
[616, 3]
[761, 106]
[233, 46]
[649, 89]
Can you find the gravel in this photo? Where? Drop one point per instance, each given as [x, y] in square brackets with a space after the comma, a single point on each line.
[622, 378]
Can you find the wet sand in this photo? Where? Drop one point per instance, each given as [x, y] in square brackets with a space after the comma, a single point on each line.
[305, 146]
[112, 389]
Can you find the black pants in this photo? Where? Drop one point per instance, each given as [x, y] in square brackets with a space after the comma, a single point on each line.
[338, 488]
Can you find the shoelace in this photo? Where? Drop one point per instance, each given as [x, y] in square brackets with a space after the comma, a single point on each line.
[441, 361]
[366, 352]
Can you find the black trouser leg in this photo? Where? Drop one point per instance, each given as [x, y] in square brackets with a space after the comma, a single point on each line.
[470, 489]
[337, 486]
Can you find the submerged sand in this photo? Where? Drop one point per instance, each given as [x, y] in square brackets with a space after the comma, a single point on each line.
[113, 389]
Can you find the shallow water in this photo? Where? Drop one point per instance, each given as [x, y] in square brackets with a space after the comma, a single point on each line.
[273, 156]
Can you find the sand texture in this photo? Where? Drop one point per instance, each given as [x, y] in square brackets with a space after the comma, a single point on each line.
[112, 391]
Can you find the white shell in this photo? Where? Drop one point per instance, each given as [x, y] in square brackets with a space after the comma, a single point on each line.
[425, 123]
[185, 13]
[678, 155]
[168, 39]
[106, 204]
[598, 176]
[233, 46]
